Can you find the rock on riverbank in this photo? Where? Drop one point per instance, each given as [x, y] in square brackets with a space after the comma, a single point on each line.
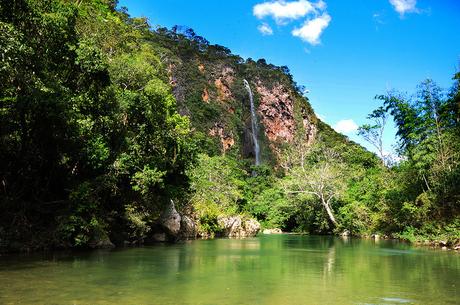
[173, 226]
[238, 226]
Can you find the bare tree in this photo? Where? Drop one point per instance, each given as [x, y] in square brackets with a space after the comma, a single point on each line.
[322, 180]
[374, 133]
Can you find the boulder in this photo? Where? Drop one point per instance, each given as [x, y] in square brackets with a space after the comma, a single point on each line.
[231, 225]
[443, 243]
[252, 227]
[188, 228]
[170, 220]
[236, 226]
[101, 243]
[159, 237]
[345, 233]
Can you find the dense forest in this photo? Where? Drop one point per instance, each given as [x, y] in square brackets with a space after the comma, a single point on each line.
[105, 120]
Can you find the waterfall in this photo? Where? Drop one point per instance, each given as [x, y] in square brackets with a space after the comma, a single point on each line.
[254, 125]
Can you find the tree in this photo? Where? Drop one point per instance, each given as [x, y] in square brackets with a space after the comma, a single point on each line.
[374, 133]
[427, 127]
[90, 130]
[321, 176]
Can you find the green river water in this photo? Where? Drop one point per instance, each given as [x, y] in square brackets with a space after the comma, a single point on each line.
[270, 269]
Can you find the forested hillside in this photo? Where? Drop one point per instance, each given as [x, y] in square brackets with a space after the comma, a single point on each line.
[104, 121]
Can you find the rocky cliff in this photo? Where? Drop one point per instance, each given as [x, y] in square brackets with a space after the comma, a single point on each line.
[213, 88]
[209, 89]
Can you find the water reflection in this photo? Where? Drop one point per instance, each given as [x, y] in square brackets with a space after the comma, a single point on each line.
[273, 269]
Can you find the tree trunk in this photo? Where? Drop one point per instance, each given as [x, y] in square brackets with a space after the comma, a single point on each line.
[329, 211]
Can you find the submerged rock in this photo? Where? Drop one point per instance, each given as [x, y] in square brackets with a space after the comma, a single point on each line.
[236, 226]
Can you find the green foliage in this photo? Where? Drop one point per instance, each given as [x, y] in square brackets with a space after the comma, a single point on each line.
[423, 192]
[266, 200]
[374, 133]
[138, 222]
[272, 208]
[144, 181]
[93, 143]
[216, 180]
[355, 217]
[89, 124]
[84, 222]
[216, 184]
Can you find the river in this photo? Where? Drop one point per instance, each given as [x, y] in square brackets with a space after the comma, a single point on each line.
[270, 269]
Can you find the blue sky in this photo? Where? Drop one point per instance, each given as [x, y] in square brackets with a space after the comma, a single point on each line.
[344, 51]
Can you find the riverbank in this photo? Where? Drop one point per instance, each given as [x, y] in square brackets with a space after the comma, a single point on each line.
[442, 242]
[173, 227]
[434, 242]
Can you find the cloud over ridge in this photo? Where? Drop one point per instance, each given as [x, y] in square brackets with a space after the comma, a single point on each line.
[346, 126]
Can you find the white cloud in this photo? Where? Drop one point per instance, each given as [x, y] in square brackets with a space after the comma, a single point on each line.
[314, 14]
[281, 10]
[392, 158]
[320, 5]
[265, 29]
[404, 6]
[346, 126]
[321, 117]
[312, 29]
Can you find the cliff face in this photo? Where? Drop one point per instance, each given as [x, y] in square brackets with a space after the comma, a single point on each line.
[277, 110]
[210, 91]
[207, 81]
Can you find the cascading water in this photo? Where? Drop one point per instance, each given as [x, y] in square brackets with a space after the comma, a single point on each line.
[254, 125]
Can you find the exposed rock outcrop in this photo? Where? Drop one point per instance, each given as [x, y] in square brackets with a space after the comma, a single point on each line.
[310, 128]
[170, 220]
[276, 110]
[205, 95]
[226, 139]
[272, 231]
[201, 68]
[188, 228]
[223, 84]
[173, 227]
[236, 226]
[283, 116]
